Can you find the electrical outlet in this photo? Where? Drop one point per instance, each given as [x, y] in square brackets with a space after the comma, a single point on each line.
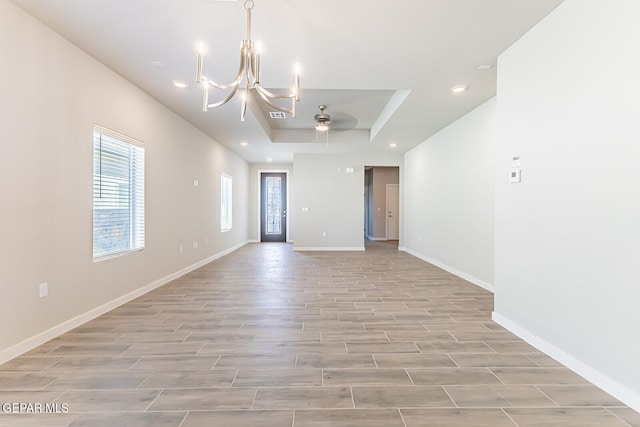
[43, 289]
[195, 244]
[324, 234]
[180, 249]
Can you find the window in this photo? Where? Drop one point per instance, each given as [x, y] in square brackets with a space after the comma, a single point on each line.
[118, 194]
[225, 202]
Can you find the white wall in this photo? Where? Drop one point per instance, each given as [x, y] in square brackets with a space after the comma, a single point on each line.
[335, 199]
[448, 197]
[51, 94]
[254, 197]
[567, 270]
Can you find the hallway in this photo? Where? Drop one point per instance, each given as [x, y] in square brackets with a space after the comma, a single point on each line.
[267, 336]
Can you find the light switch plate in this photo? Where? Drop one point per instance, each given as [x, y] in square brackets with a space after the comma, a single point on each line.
[43, 289]
[515, 176]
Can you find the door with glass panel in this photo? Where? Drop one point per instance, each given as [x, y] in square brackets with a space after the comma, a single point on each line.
[273, 207]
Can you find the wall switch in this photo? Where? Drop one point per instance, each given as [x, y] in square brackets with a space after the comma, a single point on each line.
[180, 249]
[195, 244]
[349, 170]
[515, 162]
[196, 183]
[324, 234]
[515, 176]
[305, 210]
[43, 289]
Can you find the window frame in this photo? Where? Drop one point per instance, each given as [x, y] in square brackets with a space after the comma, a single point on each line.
[126, 155]
[226, 203]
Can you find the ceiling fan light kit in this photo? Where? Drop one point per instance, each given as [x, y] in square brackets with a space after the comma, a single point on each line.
[249, 73]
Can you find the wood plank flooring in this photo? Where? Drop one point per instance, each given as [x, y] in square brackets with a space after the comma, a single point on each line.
[271, 337]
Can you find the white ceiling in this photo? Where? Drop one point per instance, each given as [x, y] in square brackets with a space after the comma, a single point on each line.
[377, 64]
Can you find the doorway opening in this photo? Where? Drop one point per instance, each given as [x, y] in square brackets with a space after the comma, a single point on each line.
[273, 207]
[381, 204]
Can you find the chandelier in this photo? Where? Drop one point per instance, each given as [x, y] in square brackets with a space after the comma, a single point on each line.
[249, 73]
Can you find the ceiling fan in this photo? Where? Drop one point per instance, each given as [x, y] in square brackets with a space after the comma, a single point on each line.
[322, 120]
[340, 122]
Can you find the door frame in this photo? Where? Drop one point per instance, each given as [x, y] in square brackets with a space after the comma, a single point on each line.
[260, 172]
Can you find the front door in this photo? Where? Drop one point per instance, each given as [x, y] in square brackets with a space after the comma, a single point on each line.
[273, 207]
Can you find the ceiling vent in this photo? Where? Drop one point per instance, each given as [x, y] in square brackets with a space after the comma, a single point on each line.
[277, 115]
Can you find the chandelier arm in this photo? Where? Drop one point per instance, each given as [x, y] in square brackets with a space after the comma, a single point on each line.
[238, 78]
[253, 67]
[274, 95]
[231, 85]
[225, 100]
[248, 69]
[276, 106]
[243, 107]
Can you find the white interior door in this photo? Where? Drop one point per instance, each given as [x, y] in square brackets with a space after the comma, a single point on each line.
[393, 211]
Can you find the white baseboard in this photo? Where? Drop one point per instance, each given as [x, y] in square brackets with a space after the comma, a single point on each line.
[258, 241]
[328, 249]
[617, 390]
[485, 285]
[49, 334]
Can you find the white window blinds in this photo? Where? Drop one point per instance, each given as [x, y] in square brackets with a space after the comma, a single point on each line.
[226, 213]
[118, 194]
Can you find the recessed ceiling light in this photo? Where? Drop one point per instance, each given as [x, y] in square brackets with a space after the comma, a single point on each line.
[485, 67]
[459, 88]
[268, 159]
[393, 145]
[156, 63]
[180, 84]
[244, 143]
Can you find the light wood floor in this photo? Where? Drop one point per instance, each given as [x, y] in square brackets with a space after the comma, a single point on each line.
[271, 337]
